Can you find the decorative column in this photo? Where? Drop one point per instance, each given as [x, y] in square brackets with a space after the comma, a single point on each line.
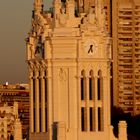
[87, 104]
[93, 99]
[31, 102]
[37, 101]
[95, 104]
[43, 122]
[103, 104]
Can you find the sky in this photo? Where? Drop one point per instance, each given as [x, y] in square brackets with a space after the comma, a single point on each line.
[15, 24]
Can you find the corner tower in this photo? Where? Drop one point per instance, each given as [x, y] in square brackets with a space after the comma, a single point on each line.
[69, 59]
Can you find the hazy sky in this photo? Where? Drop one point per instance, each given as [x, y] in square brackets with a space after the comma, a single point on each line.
[15, 23]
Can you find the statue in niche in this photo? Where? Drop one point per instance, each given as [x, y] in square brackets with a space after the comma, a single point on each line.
[91, 17]
[84, 23]
[62, 17]
[31, 50]
[39, 50]
[62, 75]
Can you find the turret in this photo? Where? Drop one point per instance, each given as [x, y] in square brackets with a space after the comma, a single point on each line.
[70, 8]
[98, 10]
[57, 7]
[38, 6]
[100, 14]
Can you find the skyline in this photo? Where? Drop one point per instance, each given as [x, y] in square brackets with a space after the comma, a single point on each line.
[15, 18]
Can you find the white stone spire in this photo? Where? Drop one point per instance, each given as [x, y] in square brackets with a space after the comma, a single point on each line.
[38, 5]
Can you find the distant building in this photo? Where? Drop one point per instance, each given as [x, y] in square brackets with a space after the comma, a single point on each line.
[17, 93]
[126, 55]
[69, 56]
[10, 125]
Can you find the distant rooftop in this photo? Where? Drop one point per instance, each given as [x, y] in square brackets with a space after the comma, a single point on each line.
[14, 86]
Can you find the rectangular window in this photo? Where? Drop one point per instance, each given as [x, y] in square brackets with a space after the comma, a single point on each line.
[82, 119]
[34, 120]
[99, 119]
[46, 119]
[40, 119]
[99, 89]
[91, 118]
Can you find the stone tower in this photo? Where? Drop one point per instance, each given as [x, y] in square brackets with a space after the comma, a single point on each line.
[68, 55]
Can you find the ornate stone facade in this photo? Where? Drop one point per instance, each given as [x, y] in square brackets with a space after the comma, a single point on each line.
[69, 55]
[10, 125]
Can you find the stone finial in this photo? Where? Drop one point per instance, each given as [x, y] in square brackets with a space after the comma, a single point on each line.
[122, 130]
[98, 10]
[38, 5]
[17, 130]
[70, 8]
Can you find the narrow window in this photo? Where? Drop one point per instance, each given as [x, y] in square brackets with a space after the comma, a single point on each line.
[99, 119]
[40, 119]
[91, 118]
[82, 119]
[46, 119]
[34, 121]
[99, 88]
[90, 88]
[99, 83]
[82, 88]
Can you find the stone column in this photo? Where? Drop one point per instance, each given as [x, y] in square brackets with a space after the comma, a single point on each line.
[102, 102]
[93, 94]
[96, 104]
[37, 102]
[87, 103]
[49, 102]
[122, 130]
[43, 123]
[79, 102]
[31, 103]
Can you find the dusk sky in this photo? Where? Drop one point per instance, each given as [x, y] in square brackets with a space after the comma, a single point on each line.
[15, 23]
